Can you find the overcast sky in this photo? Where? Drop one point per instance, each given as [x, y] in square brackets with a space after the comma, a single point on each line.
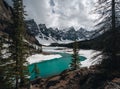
[61, 13]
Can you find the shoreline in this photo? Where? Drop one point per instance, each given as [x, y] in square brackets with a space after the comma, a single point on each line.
[50, 53]
[40, 58]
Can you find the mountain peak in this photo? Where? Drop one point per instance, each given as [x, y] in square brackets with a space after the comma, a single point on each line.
[43, 26]
[54, 35]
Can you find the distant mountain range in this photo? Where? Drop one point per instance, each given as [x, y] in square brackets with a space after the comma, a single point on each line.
[40, 33]
[46, 36]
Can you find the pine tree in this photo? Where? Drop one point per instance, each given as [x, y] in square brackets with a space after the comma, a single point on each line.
[6, 77]
[19, 50]
[109, 22]
[2, 73]
[1, 48]
[75, 57]
[36, 71]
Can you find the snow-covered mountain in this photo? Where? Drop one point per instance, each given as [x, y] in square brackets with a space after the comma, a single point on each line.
[46, 36]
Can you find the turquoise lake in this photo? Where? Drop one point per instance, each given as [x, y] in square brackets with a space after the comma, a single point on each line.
[53, 67]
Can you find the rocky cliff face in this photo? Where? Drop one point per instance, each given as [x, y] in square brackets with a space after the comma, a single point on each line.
[5, 21]
[5, 11]
[5, 14]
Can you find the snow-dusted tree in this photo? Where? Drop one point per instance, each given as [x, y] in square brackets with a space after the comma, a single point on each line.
[1, 44]
[6, 77]
[2, 71]
[109, 23]
[19, 52]
[75, 57]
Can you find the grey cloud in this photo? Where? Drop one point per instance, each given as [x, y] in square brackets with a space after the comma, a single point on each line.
[61, 13]
[52, 3]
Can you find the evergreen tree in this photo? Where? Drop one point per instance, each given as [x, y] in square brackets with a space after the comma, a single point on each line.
[1, 48]
[19, 52]
[36, 71]
[75, 57]
[109, 22]
[2, 72]
[6, 77]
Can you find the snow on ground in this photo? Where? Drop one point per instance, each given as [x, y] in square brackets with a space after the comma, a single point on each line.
[40, 57]
[64, 41]
[89, 54]
[57, 49]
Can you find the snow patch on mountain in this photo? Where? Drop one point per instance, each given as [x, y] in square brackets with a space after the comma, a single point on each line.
[47, 36]
[45, 41]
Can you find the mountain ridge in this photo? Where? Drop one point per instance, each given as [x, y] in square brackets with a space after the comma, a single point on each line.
[54, 35]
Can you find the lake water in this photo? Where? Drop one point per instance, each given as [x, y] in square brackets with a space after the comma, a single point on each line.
[53, 67]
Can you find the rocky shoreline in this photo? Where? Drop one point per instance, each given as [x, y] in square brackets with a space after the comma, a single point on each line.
[84, 78]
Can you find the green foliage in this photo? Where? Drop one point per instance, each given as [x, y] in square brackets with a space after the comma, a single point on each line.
[19, 49]
[1, 48]
[6, 76]
[13, 70]
[75, 57]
